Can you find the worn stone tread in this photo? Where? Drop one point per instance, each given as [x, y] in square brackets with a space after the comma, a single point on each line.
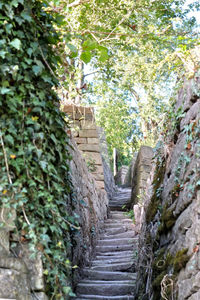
[114, 242]
[114, 248]
[107, 275]
[113, 267]
[118, 253]
[99, 297]
[112, 289]
[111, 272]
[125, 234]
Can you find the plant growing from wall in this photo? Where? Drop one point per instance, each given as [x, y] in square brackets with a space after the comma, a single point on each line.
[33, 156]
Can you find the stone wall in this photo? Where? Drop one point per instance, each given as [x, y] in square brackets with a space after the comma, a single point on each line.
[108, 175]
[128, 180]
[140, 174]
[85, 133]
[91, 205]
[169, 256]
[21, 278]
[121, 174]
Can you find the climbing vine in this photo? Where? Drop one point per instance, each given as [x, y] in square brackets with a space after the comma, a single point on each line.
[33, 155]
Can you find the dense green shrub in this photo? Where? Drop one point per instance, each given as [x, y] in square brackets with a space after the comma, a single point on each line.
[34, 178]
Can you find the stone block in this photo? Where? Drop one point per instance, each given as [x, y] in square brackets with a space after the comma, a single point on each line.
[80, 140]
[87, 124]
[100, 184]
[4, 242]
[99, 177]
[89, 147]
[93, 141]
[195, 296]
[98, 170]
[93, 157]
[40, 296]
[13, 285]
[35, 269]
[88, 133]
[7, 216]
[190, 115]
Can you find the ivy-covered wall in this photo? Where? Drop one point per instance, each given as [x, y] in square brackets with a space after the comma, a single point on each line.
[35, 186]
[169, 253]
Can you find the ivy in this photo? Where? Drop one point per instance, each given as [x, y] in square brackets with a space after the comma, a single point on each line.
[33, 155]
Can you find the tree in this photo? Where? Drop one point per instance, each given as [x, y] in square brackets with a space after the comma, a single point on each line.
[140, 47]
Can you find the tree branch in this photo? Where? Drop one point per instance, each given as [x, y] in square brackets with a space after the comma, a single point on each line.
[77, 3]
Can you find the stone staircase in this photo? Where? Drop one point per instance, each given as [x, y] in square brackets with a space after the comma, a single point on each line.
[112, 271]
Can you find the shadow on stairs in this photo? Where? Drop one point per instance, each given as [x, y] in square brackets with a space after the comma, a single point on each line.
[112, 271]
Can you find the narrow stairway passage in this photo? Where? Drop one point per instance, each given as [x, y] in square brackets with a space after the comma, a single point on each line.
[112, 271]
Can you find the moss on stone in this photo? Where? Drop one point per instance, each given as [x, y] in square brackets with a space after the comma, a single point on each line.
[167, 220]
[180, 260]
[155, 199]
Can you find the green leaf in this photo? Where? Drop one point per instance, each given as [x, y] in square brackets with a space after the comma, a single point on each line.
[89, 45]
[16, 43]
[5, 90]
[9, 139]
[43, 165]
[86, 56]
[37, 69]
[3, 53]
[72, 48]
[103, 54]
[26, 16]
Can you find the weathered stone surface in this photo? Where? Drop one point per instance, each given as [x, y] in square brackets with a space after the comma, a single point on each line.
[92, 204]
[121, 174]
[108, 175]
[100, 184]
[92, 156]
[86, 124]
[141, 173]
[175, 228]
[128, 181]
[107, 276]
[90, 133]
[93, 141]
[14, 285]
[79, 140]
[89, 147]
[98, 177]
[39, 296]
[35, 270]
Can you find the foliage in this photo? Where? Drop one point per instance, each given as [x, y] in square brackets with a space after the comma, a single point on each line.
[117, 117]
[138, 48]
[34, 159]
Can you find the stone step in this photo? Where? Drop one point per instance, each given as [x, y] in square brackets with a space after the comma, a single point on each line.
[117, 253]
[119, 203]
[125, 234]
[105, 261]
[118, 221]
[107, 275]
[110, 248]
[91, 281]
[118, 207]
[114, 267]
[104, 289]
[114, 242]
[96, 297]
[108, 257]
[118, 225]
[117, 215]
[113, 231]
[122, 206]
